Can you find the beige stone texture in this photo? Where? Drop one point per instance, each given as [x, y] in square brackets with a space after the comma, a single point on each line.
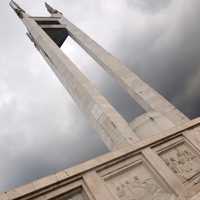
[116, 166]
[149, 124]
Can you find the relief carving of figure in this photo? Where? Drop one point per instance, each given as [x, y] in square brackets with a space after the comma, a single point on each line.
[183, 162]
[135, 188]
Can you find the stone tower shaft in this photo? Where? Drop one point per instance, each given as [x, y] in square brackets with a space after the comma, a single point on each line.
[49, 33]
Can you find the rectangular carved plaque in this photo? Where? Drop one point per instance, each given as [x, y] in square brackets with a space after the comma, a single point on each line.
[137, 183]
[183, 161]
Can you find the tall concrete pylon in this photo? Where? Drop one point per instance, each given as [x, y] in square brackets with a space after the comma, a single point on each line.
[49, 33]
[164, 114]
[142, 93]
[149, 99]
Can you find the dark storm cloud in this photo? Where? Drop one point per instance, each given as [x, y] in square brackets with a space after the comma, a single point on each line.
[165, 52]
[40, 126]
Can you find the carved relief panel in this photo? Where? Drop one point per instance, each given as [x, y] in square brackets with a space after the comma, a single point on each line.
[137, 183]
[184, 161]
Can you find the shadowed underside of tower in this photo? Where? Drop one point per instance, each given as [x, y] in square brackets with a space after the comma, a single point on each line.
[156, 156]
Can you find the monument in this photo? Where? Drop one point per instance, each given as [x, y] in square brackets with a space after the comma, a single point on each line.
[155, 157]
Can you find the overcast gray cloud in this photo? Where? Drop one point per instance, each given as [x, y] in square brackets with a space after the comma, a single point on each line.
[41, 129]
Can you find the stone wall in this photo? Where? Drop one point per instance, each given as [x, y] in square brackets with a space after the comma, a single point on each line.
[163, 167]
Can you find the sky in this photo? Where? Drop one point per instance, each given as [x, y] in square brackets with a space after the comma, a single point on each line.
[41, 129]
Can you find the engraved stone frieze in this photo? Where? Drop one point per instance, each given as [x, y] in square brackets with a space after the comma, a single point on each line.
[184, 162]
[138, 183]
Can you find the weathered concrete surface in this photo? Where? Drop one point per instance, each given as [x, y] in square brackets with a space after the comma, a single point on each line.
[104, 176]
[140, 125]
[142, 93]
[114, 130]
[149, 124]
